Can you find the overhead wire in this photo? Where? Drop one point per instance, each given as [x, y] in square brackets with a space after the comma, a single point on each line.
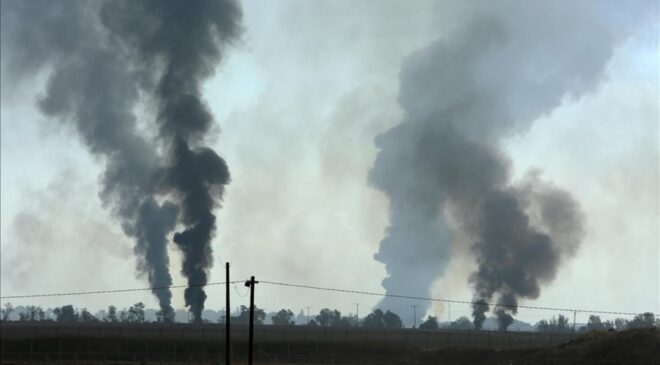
[337, 290]
[112, 290]
[349, 291]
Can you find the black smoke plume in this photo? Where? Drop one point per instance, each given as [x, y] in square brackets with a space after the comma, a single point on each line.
[491, 77]
[170, 47]
[174, 46]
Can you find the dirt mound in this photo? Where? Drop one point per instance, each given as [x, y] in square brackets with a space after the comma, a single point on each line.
[628, 347]
[641, 346]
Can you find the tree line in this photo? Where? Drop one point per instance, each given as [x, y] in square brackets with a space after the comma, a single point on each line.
[325, 318]
[562, 324]
[136, 314]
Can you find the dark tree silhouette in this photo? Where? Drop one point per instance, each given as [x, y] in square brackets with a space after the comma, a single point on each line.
[378, 319]
[559, 324]
[392, 320]
[431, 323]
[86, 316]
[283, 318]
[136, 313]
[32, 313]
[7, 311]
[462, 323]
[244, 316]
[644, 320]
[66, 314]
[111, 316]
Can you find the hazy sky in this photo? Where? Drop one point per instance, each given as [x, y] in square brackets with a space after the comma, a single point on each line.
[298, 103]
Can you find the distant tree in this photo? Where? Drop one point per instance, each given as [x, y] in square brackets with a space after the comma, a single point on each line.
[559, 324]
[283, 318]
[86, 316]
[594, 323]
[378, 319]
[345, 321]
[644, 320]
[111, 316]
[543, 326]
[332, 318]
[136, 313]
[66, 314]
[462, 323]
[32, 313]
[123, 316]
[327, 317]
[7, 311]
[563, 323]
[392, 320]
[620, 324]
[165, 315]
[374, 319]
[312, 323]
[244, 316]
[431, 323]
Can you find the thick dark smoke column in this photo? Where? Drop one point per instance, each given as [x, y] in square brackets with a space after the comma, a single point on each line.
[165, 48]
[90, 88]
[504, 66]
[174, 46]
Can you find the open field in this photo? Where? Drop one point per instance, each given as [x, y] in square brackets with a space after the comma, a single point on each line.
[47, 343]
[214, 333]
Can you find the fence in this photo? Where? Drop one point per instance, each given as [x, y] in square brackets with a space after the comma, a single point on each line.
[423, 339]
[153, 343]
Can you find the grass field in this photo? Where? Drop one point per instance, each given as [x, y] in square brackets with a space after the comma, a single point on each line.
[629, 347]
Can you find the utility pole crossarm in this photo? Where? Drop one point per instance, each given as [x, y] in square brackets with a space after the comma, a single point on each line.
[227, 318]
[250, 283]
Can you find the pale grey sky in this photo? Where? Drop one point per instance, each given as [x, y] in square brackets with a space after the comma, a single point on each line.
[298, 104]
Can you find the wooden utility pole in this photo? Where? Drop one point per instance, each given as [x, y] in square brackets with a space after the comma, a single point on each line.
[250, 283]
[414, 307]
[227, 317]
[574, 313]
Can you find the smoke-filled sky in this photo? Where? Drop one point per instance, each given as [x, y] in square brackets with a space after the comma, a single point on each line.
[298, 100]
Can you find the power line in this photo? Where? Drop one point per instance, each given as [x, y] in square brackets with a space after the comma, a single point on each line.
[347, 291]
[443, 300]
[112, 291]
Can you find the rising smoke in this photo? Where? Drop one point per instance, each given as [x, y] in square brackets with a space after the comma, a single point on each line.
[491, 77]
[174, 46]
[100, 55]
